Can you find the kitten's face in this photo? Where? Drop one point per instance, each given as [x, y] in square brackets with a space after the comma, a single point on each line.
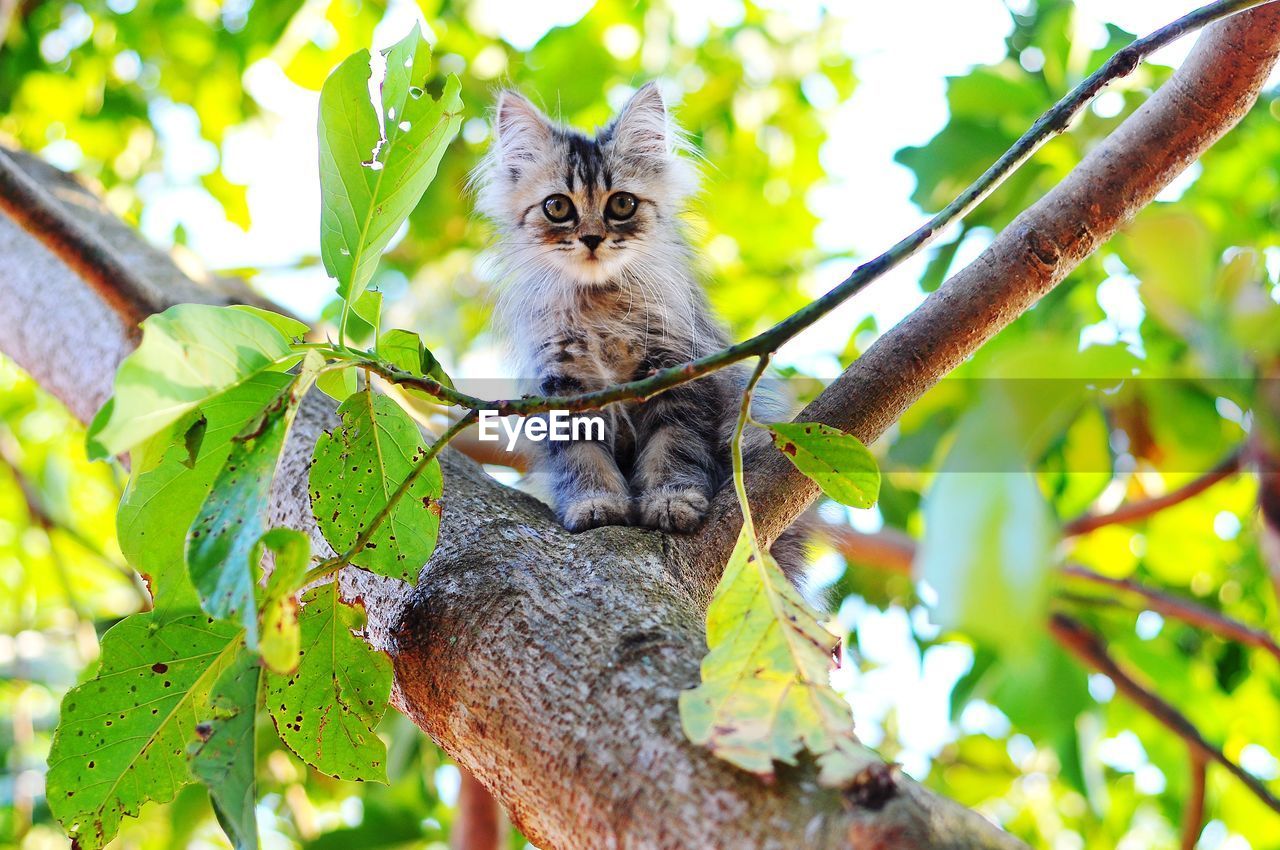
[586, 210]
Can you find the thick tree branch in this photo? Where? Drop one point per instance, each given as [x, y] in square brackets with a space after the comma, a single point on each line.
[71, 272]
[1207, 96]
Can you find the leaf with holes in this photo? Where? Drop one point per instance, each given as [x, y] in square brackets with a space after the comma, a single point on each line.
[122, 736]
[229, 524]
[765, 691]
[327, 711]
[189, 354]
[839, 462]
[168, 487]
[278, 635]
[225, 757]
[357, 471]
[372, 171]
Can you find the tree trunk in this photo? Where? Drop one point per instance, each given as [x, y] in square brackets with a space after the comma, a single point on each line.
[549, 664]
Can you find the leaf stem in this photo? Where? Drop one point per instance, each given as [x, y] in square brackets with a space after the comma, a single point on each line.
[735, 448]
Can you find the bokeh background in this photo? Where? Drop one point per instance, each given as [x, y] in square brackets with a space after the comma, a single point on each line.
[826, 132]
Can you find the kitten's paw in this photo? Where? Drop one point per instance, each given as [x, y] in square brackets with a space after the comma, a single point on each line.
[673, 510]
[598, 510]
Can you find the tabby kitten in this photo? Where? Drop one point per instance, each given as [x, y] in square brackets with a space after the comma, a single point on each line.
[600, 289]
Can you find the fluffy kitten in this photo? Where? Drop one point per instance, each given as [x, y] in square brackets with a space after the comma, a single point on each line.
[600, 289]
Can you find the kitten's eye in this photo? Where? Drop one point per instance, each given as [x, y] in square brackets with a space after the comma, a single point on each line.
[622, 205]
[558, 208]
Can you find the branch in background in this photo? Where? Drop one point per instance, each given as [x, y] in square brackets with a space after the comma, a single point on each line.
[1265, 455]
[1088, 646]
[1226, 468]
[1204, 98]
[893, 551]
[41, 516]
[1171, 606]
[888, 549]
[477, 825]
[1193, 815]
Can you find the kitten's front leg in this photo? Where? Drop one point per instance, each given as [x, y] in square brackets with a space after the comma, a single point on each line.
[675, 472]
[588, 488]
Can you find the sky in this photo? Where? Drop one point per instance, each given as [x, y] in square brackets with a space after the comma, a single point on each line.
[902, 59]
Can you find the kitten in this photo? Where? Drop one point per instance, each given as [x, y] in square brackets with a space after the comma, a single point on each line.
[599, 290]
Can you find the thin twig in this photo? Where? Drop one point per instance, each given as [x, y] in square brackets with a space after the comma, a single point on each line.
[1177, 608]
[1050, 124]
[1225, 468]
[1193, 814]
[1086, 645]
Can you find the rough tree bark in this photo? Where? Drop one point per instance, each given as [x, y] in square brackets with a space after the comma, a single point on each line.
[549, 664]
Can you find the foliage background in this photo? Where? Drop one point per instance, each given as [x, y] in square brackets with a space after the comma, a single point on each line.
[196, 118]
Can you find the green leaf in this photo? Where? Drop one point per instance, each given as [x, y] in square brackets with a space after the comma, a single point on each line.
[1173, 255]
[370, 182]
[229, 524]
[357, 470]
[291, 328]
[189, 354]
[122, 736]
[839, 462]
[338, 384]
[990, 540]
[366, 312]
[166, 490]
[766, 691]
[278, 636]
[328, 710]
[405, 350]
[225, 759]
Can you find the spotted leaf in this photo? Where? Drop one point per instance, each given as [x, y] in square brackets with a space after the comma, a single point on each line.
[122, 736]
[839, 462]
[328, 709]
[358, 470]
[765, 693]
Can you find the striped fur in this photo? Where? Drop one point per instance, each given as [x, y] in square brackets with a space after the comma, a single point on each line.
[596, 300]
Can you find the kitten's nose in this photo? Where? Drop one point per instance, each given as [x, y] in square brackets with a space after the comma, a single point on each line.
[591, 240]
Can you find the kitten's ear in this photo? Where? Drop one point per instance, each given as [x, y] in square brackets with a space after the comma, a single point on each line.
[521, 129]
[641, 127]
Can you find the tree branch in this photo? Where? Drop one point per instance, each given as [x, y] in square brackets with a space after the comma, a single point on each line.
[478, 823]
[1193, 815]
[1204, 98]
[1185, 610]
[1132, 511]
[1089, 648]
